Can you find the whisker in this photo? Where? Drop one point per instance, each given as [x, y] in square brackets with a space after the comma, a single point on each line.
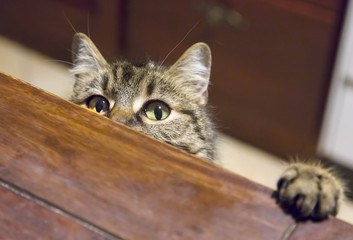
[88, 32]
[68, 20]
[72, 52]
[61, 61]
[193, 27]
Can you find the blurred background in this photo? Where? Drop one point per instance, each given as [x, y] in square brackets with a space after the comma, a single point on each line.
[281, 83]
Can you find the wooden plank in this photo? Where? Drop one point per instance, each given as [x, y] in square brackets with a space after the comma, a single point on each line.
[326, 230]
[122, 181]
[24, 217]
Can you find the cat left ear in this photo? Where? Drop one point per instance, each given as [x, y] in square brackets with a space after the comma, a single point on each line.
[192, 71]
[85, 55]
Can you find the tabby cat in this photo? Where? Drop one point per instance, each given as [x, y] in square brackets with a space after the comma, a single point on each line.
[170, 104]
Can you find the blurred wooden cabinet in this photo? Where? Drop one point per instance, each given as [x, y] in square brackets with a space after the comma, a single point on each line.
[49, 25]
[271, 68]
[272, 59]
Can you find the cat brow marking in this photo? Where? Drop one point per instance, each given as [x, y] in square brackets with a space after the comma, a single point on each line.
[150, 87]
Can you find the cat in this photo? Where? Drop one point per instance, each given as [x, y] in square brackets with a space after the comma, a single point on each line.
[170, 104]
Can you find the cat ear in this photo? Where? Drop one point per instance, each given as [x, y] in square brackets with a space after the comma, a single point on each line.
[192, 71]
[85, 56]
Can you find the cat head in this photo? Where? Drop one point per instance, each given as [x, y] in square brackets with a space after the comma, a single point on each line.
[168, 103]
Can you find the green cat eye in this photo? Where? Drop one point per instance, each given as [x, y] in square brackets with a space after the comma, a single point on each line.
[98, 104]
[156, 110]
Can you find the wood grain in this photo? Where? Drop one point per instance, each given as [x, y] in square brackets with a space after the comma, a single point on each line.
[125, 182]
[327, 230]
[117, 180]
[24, 217]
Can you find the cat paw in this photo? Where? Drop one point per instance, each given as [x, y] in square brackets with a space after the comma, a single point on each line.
[309, 191]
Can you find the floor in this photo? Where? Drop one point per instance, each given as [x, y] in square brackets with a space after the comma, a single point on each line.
[53, 76]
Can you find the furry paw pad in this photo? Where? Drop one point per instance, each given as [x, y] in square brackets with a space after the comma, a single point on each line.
[309, 191]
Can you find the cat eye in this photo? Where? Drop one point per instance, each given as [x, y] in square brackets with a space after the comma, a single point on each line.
[156, 110]
[98, 104]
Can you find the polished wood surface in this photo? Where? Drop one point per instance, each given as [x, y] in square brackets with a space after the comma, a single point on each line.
[25, 217]
[327, 230]
[87, 175]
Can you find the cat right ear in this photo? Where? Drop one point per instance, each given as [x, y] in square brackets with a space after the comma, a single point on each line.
[85, 56]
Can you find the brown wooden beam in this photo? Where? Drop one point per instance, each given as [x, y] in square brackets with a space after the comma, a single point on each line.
[121, 182]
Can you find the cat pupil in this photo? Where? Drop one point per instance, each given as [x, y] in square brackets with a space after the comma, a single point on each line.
[158, 112]
[99, 105]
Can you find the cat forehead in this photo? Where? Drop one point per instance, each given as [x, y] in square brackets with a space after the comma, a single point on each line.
[127, 75]
[128, 80]
[127, 70]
